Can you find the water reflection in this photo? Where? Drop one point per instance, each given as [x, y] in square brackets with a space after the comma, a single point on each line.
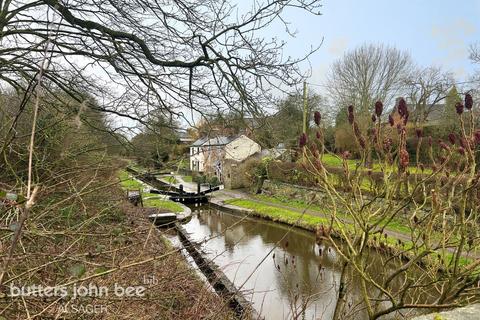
[297, 279]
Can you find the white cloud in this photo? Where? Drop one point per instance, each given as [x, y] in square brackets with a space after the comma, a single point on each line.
[452, 40]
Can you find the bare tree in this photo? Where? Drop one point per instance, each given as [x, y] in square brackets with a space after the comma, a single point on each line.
[431, 264]
[150, 54]
[475, 52]
[425, 88]
[133, 57]
[367, 74]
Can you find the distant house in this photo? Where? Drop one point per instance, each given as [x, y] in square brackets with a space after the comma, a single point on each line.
[278, 152]
[210, 154]
[185, 138]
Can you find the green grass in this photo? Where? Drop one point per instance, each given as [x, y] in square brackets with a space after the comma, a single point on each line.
[335, 161]
[394, 225]
[161, 203]
[294, 203]
[280, 214]
[171, 180]
[187, 178]
[127, 182]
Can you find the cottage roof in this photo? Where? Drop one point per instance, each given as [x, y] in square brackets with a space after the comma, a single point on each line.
[215, 141]
[199, 142]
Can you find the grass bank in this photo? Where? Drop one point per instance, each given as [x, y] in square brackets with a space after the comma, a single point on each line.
[310, 222]
[395, 225]
[97, 238]
[335, 161]
[150, 200]
[156, 202]
[279, 214]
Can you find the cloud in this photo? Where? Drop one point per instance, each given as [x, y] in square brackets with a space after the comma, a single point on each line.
[338, 45]
[452, 40]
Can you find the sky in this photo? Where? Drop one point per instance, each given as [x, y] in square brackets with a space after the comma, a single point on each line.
[435, 33]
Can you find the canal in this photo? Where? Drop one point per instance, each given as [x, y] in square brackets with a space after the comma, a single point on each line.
[280, 269]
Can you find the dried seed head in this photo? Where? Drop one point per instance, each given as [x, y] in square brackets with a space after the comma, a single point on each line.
[461, 150]
[351, 116]
[459, 108]
[477, 137]
[374, 118]
[444, 146]
[362, 143]
[319, 135]
[404, 158]
[346, 155]
[378, 108]
[317, 117]
[452, 138]
[468, 101]
[399, 128]
[387, 143]
[390, 120]
[302, 141]
[358, 135]
[402, 107]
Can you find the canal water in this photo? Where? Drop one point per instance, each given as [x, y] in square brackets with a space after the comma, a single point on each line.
[280, 269]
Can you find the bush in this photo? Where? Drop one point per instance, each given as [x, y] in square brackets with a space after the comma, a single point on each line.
[204, 179]
[199, 178]
[213, 180]
[290, 172]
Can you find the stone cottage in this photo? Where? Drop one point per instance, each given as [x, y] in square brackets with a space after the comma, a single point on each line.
[209, 155]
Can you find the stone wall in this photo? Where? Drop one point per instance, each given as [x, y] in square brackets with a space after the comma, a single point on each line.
[233, 176]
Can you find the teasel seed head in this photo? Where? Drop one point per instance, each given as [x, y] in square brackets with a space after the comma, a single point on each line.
[378, 108]
[468, 101]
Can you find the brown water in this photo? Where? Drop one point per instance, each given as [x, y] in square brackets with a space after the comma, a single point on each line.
[300, 282]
